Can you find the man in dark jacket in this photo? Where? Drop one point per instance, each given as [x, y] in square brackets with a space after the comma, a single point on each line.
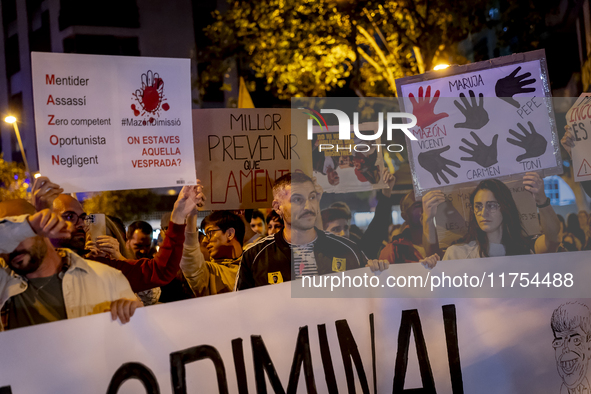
[300, 249]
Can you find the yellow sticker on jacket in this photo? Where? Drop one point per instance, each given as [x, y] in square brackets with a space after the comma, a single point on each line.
[275, 277]
[339, 265]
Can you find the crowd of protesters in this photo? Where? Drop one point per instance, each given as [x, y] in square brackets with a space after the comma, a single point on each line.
[53, 269]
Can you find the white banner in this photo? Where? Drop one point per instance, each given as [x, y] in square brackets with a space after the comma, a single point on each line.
[265, 338]
[113, 122]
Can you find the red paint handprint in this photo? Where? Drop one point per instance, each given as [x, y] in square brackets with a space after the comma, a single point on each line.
[150, 96]
[424, 108]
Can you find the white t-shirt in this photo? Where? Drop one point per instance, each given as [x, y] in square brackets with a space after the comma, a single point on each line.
[472, 251]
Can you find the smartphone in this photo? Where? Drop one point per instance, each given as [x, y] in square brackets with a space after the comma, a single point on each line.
[97, 225]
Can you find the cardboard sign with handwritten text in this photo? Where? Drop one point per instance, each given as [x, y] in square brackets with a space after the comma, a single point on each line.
[239, 153]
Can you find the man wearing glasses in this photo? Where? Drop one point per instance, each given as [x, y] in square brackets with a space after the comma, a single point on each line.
[224, 232]
[71, 211]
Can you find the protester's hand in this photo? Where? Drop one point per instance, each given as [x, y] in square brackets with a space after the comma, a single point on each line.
[389, 180]
[433, 162]
[109, 246]
[199, 198]
[378, 265]
[476, 115]
[49, 224]
[511, 85]
[482, 154]
[93, 250]
[124, 309]
[431, 201]
[189, 198]
[424, 108]
[44, 192]
[430, 262]
[568, 140]
[534, 184]
[533, 143]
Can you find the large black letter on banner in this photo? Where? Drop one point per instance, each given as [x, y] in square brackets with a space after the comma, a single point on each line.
[239, 366]
[262, 362]
[453, 350]
[349, 350]
[411, 321]
[196, 353]
[5, 390]
[331, 381]
[134, 371]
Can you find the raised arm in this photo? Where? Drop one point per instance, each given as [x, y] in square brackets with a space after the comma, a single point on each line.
[548, 241]
[431, 201]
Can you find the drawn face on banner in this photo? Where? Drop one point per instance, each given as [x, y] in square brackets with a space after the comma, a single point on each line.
[572, 351]
[572, 344]
[487, 211]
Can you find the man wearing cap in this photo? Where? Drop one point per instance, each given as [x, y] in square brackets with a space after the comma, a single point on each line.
[40, 284]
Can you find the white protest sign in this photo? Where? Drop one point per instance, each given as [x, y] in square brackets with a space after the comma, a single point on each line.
[266, 339]
[578, 118]
[113, 122]
[239, 153]
[485, 120]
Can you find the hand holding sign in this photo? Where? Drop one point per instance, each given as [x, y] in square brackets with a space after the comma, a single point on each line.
[533, 143]
[512, 84]
[568, 140]
[482, 154]
[433, 162]
[476, 115]
[424, 108]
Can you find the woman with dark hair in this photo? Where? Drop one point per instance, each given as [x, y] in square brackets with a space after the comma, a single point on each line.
[495, 228]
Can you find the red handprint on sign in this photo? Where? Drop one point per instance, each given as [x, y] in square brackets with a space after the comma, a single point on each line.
[424, 108]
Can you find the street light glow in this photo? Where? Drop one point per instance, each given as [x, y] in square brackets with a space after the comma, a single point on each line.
[441, 67]
[10, 119]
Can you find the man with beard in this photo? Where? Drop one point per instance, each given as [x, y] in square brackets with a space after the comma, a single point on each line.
[39, 284]
[300, 249]
[571, 325]
[142, 274]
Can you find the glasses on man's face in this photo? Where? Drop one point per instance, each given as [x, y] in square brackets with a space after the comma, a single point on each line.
[560, 342]
[210, 232]
[491, 206]
[73, 217]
